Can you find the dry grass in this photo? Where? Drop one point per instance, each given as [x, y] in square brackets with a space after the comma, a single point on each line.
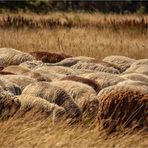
[78, 41]
[31, 133]
[81, 40]
[94, 35]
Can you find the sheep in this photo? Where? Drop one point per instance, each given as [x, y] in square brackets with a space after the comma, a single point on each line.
[19, 80]
[49, 57]
[16, 69]
[41, 73]
[32, 64]
[19, 70]
[10, 56]
[55, 95]
[91, 83]
[142, 69]
[142, 86]
[9, 105]
[113, 87]
[84, 95]
[141, 62]
[68, 62]
[135, 77]
[122, 107]
[9, 86]
[58, 69]
[39, 106]
[121, 61]
[140, 66]
[95, 67]
[105, 64]
[103, 79]
[47, 72]
[128, 84]
[38, 76]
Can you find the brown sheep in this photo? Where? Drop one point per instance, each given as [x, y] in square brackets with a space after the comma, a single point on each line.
[122, 107]
[55, 95]
[49, 57]
[38, 106]
[9, 105]
[91, 83]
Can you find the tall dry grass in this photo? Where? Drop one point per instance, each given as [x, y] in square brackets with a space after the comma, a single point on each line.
[94, 35]
[69, 20]
[27, 132]
[117, 35]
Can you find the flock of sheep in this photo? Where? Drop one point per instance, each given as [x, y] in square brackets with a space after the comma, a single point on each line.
[112, 92]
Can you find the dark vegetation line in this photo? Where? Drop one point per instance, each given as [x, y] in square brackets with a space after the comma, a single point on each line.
[105, 6]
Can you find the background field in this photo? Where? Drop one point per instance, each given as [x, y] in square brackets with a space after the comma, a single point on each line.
[95, 35]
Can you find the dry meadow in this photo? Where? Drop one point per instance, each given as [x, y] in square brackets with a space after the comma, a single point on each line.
[94, 35]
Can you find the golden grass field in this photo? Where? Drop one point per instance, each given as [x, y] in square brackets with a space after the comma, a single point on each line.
[116, 35]
[88, 41]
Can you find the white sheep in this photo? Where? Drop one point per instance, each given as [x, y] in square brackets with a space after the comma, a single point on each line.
[10, 56]
[142, 86]
[135, 77]
[68, 62]
[121, 61]
[39, 106]
[57, 69]
[84, 95]
[19, 80]
[95, 67]
[32, 64]
[16, 69]
[9, 86]
[54, 94]
[104, 79]
[140, 66]
[47, 72]
[9, 104]
[20, 70]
